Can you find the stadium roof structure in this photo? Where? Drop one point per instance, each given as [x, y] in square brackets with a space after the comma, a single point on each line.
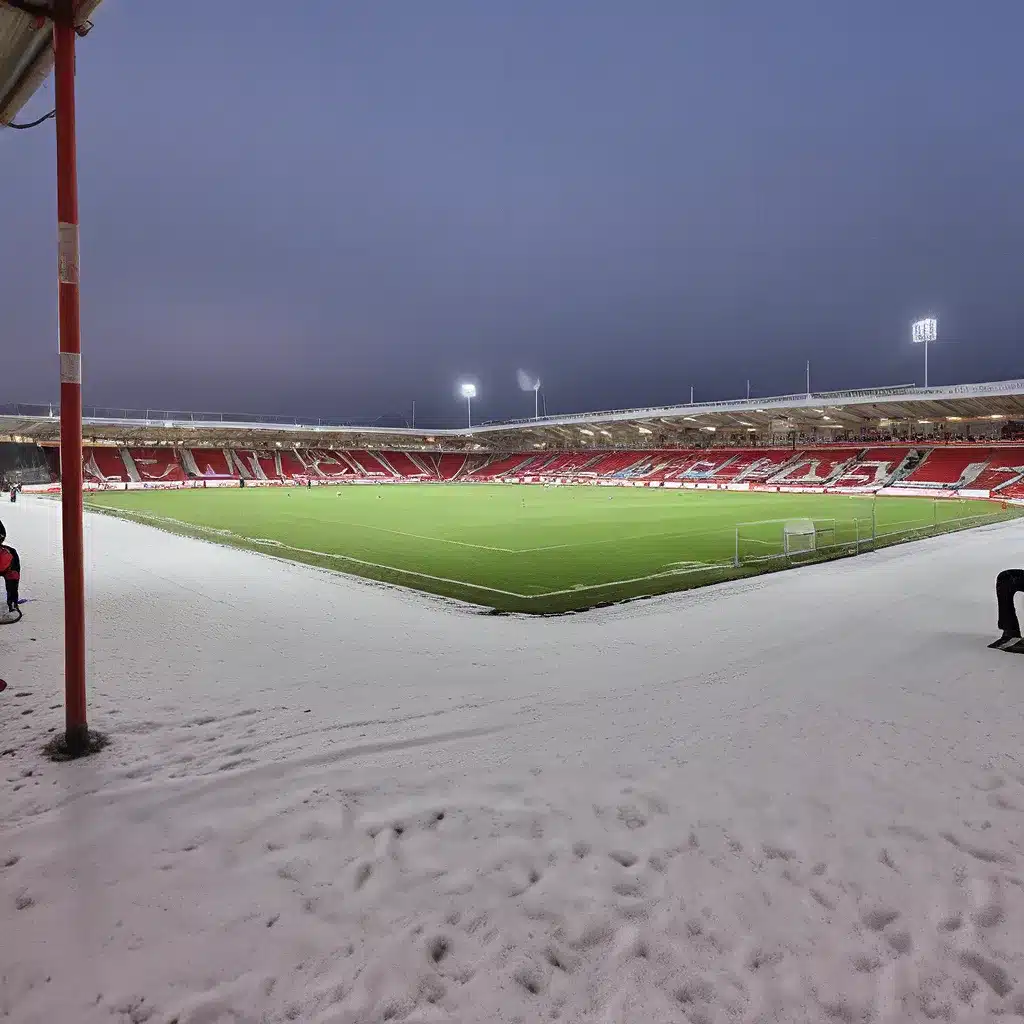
[26, 49]
[822, 413]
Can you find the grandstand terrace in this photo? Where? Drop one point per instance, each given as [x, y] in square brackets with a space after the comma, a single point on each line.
[963, 440]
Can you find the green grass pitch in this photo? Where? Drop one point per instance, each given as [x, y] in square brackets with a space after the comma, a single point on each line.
[530, 548]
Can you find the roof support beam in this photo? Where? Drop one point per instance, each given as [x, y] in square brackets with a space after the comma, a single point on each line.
[33, 8]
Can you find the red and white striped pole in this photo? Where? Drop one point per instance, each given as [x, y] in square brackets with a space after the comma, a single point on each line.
[76, 726]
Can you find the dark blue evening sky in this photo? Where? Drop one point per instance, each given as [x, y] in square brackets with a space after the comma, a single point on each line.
[334, 208]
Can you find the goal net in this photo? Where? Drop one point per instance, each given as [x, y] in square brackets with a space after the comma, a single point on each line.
[799, 536]
[782, 538]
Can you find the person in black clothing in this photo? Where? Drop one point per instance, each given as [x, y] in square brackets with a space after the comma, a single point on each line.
[1009, 583]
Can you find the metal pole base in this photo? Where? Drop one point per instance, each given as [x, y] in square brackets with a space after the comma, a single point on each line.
[80, 741]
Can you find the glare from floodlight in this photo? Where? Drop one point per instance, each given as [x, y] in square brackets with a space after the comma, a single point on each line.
[526, 381]
[923, 331]
[468, 390]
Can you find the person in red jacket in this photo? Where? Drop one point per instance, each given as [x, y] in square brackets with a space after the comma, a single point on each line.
[10, 570]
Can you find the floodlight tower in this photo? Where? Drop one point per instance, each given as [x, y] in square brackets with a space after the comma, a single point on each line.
[536, 399]
[469, 393]
[922, 332]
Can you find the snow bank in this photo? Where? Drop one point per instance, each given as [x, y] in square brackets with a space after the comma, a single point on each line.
[799, 798]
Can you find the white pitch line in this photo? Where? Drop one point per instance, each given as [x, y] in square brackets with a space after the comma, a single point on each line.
[306, 551]
[380, 565]
[419, 536]
[578, 588]
[612, 540]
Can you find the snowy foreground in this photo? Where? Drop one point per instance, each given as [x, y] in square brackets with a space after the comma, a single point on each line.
[794, 799]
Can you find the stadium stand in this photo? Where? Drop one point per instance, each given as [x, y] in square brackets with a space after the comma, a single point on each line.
[250, 466]
[703, 465]
[509, 465]
[948, 468]
[660, 466]
[612, 464]
[814, 467]
[754, 466]
[406, 466]
[330, 465]
[449, 467]
[874, 467]
[292, 466]
[104, 465]
[26, 464]
[1003, 472]
[211, 463]
[157, 464]
[998, 469]
[265, 464]
[370, 466]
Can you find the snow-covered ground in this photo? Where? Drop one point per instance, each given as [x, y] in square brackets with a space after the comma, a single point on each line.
[794, 799]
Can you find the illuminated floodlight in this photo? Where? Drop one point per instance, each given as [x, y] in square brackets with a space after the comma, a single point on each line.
[527, 382]
[923, 332]
[468, 391]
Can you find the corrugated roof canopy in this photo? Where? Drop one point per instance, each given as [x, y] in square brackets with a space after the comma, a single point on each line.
[824, 414]
[26, 49]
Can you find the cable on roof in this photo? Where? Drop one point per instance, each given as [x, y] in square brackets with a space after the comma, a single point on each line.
[33, 124]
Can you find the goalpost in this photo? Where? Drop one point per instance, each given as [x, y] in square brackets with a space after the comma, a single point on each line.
[782, 538]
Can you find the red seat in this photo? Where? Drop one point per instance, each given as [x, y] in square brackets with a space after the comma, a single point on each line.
[948, 467]
[450, 466]
[292, 465]
[874, 467]
[612, 463]
[104, 465]
[370, 466]
[754, 465]
[212, 464]
[330, 464]
[402, 464]
[814, 467]
[157, 465]
[508, 465]
[1005, 468]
